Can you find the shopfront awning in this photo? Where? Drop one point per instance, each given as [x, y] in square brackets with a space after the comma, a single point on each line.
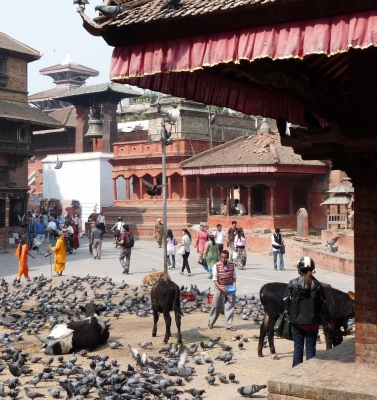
[182, 66]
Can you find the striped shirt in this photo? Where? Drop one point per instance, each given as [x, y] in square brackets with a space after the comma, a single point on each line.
[30, 227]
[224, 274]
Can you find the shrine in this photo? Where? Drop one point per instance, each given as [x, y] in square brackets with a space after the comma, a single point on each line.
[309, 63]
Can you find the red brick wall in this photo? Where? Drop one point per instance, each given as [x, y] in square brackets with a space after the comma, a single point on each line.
[17, 72]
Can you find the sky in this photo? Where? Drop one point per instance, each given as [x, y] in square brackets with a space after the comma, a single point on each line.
[54, 28]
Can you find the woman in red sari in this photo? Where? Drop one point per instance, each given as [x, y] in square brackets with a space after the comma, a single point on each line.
[75, 235]
[201, 240]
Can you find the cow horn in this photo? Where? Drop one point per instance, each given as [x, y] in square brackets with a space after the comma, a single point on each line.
[351, 295]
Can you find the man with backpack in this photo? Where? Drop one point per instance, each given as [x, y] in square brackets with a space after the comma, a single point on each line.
[127, 241]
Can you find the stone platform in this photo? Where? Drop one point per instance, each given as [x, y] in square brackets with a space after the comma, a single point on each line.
[332, 375]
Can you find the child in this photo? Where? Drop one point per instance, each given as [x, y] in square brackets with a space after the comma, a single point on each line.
[21, 253]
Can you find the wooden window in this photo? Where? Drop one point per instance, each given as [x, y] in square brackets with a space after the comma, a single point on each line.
[23, 134]
[4, 178]
[4, 78]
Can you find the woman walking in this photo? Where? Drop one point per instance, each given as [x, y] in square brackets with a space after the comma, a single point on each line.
[186, 242]
[60, 254]
[211, 253]
[201, 240]
[240, 244]
[159, 232]
[22, 253]
[171, 243]
[75, 235]
[306, 302]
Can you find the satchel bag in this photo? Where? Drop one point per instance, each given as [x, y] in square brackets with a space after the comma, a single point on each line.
[181, 251]
[282, 326]
[282, 249]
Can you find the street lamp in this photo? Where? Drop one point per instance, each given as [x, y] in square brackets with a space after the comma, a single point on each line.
[168, 117]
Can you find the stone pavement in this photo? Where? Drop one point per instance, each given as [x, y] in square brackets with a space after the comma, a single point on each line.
[147, 257]
[332, 375]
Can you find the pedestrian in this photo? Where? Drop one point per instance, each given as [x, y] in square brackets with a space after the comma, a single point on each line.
[219, 238]
[223, 208]
[96, 237]
[171, 243]
[186, 242]
[224, 274]
[210, 254]
[230, 239]
[57, 223]
[239, 208]
[240, 244]
[125, 252]
[22, 253]
[76, 243]
[306, 302]
[102, 222]
[50, 228]
[117, 230]
[201, 240]
[79, 223]
[60, 251]
[40, 234]
[351, 217]
[93, 225]
[45, 218]
[159, 232]
[277, 240]
[29, 230]
[206, 229]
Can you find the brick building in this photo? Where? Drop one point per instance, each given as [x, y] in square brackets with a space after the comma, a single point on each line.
[17, 122]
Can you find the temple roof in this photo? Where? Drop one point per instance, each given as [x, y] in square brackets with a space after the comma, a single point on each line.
[341, 188]
[50, 93]
[340, 199]
[15, 111]
[69, 65]
[14, 46]
[66, 116]
[258, 149]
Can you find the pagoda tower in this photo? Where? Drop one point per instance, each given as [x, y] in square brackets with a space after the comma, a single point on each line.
[67, 76]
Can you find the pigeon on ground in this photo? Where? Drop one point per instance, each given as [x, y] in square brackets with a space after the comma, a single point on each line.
[55, 393]
[222, 378]
[248, 391]
[195, 392]
[33, 395]
[232, 377]
[210, 379]
[111, 11]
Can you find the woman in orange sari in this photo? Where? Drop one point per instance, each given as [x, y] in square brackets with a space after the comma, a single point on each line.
[22, 253]
[60, 254]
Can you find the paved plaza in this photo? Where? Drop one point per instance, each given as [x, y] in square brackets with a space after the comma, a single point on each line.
[147, 257]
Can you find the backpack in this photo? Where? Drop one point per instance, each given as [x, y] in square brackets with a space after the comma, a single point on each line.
[129, 241]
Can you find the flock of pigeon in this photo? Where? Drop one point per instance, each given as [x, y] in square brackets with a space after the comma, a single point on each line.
[38, 306]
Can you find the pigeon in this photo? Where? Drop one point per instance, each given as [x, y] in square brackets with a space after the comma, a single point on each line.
[195, 392]
[210, 379]
[81, 3]
[114, 345]
[33, 395]
[55, 393]
[248, 391]
[153, 189]
[111, 11]
[331, 243]
[144, 345]
[222, 378]
[240, 345]
[211, 369]
[183, 372]
[171, 4]
[232, 377]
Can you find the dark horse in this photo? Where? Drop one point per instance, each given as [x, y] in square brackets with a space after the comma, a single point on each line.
[165, 298]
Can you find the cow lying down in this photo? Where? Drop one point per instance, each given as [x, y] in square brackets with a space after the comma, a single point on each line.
[76, 335]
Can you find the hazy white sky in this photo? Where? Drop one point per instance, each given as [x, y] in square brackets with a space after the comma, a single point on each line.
[46, 25]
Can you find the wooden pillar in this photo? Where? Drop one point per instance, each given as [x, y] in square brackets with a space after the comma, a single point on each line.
[169, 188]
[272, 201]
[208, 202]
[82, 143]
[198, 187]
[128, 192]
[228, 208]
[249, 202]
[110, 126]
[7, 211]
[184, 186]
[232, 192]
[290, 205]
[115, 189]
[140, 189]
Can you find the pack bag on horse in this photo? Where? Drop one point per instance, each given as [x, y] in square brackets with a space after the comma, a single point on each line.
[165, 298]
[340, 305]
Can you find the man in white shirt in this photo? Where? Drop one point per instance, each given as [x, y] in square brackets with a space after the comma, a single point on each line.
[239, 208]
[101, 222]
[277, 240]
[219, 238]
[223, 208]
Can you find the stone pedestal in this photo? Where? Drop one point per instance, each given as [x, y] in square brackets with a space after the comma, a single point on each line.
[302, 226]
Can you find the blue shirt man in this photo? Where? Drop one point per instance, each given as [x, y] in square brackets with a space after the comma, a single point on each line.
[40, 233]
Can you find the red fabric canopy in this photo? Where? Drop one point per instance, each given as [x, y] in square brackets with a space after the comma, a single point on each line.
[168, 66]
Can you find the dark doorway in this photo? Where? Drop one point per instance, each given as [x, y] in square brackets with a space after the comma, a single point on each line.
[259, 199]
[2, 213]
[16, 209]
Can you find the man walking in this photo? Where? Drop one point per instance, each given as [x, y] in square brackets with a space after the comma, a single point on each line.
[96, 237]
[40, 234]
[126, 243]
[224, 274]
[231, 235]
[277, 240]
[219, 238]
[29, 231]
[101, 221]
